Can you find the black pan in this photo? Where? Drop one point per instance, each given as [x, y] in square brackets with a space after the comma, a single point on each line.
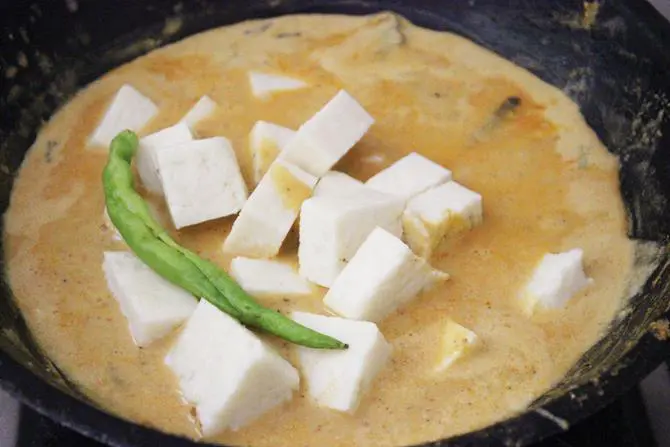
[617, 68]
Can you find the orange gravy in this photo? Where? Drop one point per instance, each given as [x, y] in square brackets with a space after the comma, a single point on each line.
[548, 185]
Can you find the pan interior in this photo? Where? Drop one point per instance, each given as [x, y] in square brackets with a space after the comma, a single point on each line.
[611, 67]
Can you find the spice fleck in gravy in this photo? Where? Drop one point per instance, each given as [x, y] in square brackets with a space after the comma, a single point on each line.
[548, 186]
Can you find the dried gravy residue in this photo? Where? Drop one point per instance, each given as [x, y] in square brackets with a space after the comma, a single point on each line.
[661, 329]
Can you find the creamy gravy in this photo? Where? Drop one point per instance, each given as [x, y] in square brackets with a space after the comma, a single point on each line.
[548, 185]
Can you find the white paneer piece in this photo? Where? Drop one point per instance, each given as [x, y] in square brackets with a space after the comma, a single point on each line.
[328, 135]
[146, 153]
[457, 341]
[382, 276]
[227, 372]
[335, 184]
[339, 379]
[261, 277]
[409, 176]
[201, 110]
[266, 141]
[129, 110]
[152, 305]
[332, 228]
[269, 214]
[439, 212]
[556, 279]
[263, 85]
[201, 181]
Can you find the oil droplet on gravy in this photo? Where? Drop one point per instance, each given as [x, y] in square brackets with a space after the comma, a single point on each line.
[429, 92]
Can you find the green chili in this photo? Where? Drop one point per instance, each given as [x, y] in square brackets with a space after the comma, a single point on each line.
[153, 245]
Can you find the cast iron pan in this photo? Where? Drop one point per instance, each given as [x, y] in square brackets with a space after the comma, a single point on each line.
[616, 68]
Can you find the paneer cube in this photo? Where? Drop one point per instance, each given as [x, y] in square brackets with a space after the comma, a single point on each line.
[409, 176]
[260, 277]
[326, 137]
[440, 212]
[201, 181]
[152, 305]
[266, 141]
[129, 110]
[269, 214]
[146, 153]
[201, 110]
[227, 372]
[456, 342]
[556, 279]
[339, 379]
[336, 184]
[383, 275]
[263, 85]
[333, 228]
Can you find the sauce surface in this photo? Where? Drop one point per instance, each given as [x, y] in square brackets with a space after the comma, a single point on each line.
[548, 186]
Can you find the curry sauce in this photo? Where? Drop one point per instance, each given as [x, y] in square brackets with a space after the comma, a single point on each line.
[548, 185]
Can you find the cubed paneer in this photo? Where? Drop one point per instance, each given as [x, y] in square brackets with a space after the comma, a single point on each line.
[456, 342]
[201, 181]
[332, 228]
[329, 135]
[266, 141]
[129, 109]
[227, 372]
[261, 277]
[440, 212]
[263, 85]
[338, 184]
[383, 275]
[152, 305]
[146, 153]
[339, 379]
[269, 214]
[556, 279]
[201, 110]
[409, 176]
